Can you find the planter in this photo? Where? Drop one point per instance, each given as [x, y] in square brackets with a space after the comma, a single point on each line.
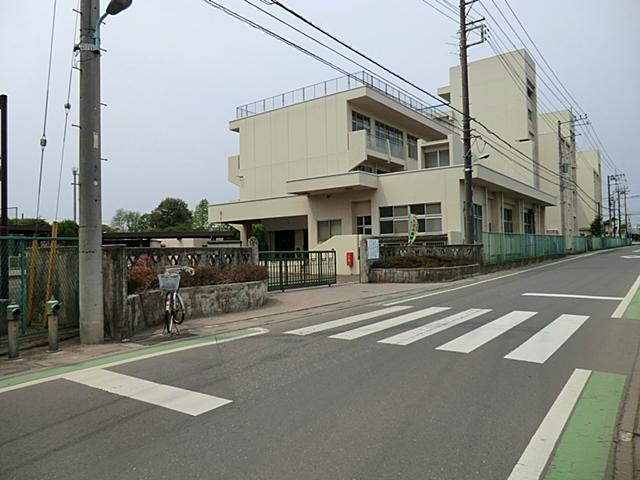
[146, 309]
[419, 275]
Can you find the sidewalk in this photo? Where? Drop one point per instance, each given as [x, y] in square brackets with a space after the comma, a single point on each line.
[279, 306]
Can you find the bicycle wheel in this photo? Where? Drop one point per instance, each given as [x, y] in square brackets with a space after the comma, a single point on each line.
[168, 312]
[178, 309]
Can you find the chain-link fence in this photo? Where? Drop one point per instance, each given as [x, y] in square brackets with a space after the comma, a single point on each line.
[32, 270]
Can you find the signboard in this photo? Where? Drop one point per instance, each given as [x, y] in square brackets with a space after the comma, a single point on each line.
[413, 228]
[373, 248]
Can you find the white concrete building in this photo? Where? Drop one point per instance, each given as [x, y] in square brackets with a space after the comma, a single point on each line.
[320, 166]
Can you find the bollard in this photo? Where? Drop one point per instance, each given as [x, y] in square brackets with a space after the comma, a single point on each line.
[13, 323]
[53, 307]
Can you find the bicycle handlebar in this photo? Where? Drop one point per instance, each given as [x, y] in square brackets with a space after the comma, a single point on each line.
[178, 269]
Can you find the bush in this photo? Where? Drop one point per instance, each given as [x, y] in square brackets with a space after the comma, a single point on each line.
[142, 277]
[414, 261]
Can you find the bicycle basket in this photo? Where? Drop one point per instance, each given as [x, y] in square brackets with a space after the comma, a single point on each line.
[169, 282]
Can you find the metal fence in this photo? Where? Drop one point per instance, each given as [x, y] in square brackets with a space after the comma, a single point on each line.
[38, 268]
[295, 269]
[509, 247]
[579, 244]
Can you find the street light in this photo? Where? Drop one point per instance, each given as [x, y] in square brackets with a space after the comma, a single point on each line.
[116, 6]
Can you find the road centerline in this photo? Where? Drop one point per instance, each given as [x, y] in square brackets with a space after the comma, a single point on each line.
[570, 295]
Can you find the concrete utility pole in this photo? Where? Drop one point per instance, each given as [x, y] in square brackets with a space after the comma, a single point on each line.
[4, 198]
[90, 225]
[563, 211]
[609, 201]
[74, 172]
[470, 235]
[619, 208]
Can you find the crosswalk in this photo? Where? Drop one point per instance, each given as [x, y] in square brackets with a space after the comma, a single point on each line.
[538, 348]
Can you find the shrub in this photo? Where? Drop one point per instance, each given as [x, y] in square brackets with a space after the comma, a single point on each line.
[142, 277]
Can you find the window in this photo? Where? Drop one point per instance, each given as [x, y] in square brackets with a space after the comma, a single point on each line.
[477, 222]
[412, 147]
[360, 122]
[507, 220]
[363, 225]
[328, 228]
[395, 220]
[436, 158]
[389, 133]
[529, 221]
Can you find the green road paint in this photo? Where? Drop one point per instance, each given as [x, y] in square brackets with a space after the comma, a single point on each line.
[119, 358]
[583, 450]
[633, 310]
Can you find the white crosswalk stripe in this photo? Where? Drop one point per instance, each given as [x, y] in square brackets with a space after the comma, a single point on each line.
[384, 324]
[345, 321]
[537, 349]
[545, 343]
[484, 334]
[410, 336]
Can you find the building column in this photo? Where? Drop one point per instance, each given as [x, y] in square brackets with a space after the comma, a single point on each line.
[500, 225]
[245, 233]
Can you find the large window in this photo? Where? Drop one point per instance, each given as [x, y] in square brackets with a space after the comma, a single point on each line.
[328, 228]
[529, 221]
[477, 222]
[389, 133]
[363, 225]
[412, 147]
[436, 158]
[360, 122]
[395, 220]
[507, 220]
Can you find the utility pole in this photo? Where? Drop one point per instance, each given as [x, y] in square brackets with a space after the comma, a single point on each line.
[4, 198]
[90, 225]
[563, 211]
[466, 27]
[626, 215]
[619, 209]
[609, 202]
[75, 184]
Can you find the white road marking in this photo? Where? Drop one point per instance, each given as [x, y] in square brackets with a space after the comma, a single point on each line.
[166, 396]
[636, 251]
[570, 295]
[481, 335]
[439, 292]
[622, 306]
[253, 332]
[535, 457]
[384, 324]
[408, 337]
[545, 343]
[629, 256]
[344, 321]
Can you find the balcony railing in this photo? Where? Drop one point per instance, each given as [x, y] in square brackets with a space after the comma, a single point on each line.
[385, 146]
[342, 84]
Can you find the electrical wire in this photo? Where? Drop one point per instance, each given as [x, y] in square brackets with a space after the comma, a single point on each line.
[43, 139]
[67, 108]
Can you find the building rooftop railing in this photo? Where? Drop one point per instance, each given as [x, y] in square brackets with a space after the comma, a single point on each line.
[342, 84]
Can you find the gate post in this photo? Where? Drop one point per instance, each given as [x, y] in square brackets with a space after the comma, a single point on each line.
[13, 320]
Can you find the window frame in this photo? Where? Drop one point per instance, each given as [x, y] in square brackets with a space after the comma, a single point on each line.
[424, 219]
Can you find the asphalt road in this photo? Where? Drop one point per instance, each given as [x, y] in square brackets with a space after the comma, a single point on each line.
[315, 407]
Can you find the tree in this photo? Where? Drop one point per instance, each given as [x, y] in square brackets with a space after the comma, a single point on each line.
[171, 214]
[201, 216]
[29, 222]
[67, 228]
[597, 228]
[127, 221]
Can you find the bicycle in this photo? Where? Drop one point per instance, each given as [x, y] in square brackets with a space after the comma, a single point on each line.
[169, 282]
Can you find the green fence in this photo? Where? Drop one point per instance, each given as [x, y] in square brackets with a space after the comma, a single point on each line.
[509, 247]
[579, 244]
[295, 269]
[29, 271]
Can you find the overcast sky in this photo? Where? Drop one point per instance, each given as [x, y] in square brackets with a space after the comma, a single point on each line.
[175, 71]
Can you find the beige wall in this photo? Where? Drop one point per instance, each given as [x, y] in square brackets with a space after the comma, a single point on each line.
[503, 106]
[589, 187]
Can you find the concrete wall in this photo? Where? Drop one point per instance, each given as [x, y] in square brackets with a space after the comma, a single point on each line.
[343, 244]
[147, 309]
[503, 106]
[589, 187]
